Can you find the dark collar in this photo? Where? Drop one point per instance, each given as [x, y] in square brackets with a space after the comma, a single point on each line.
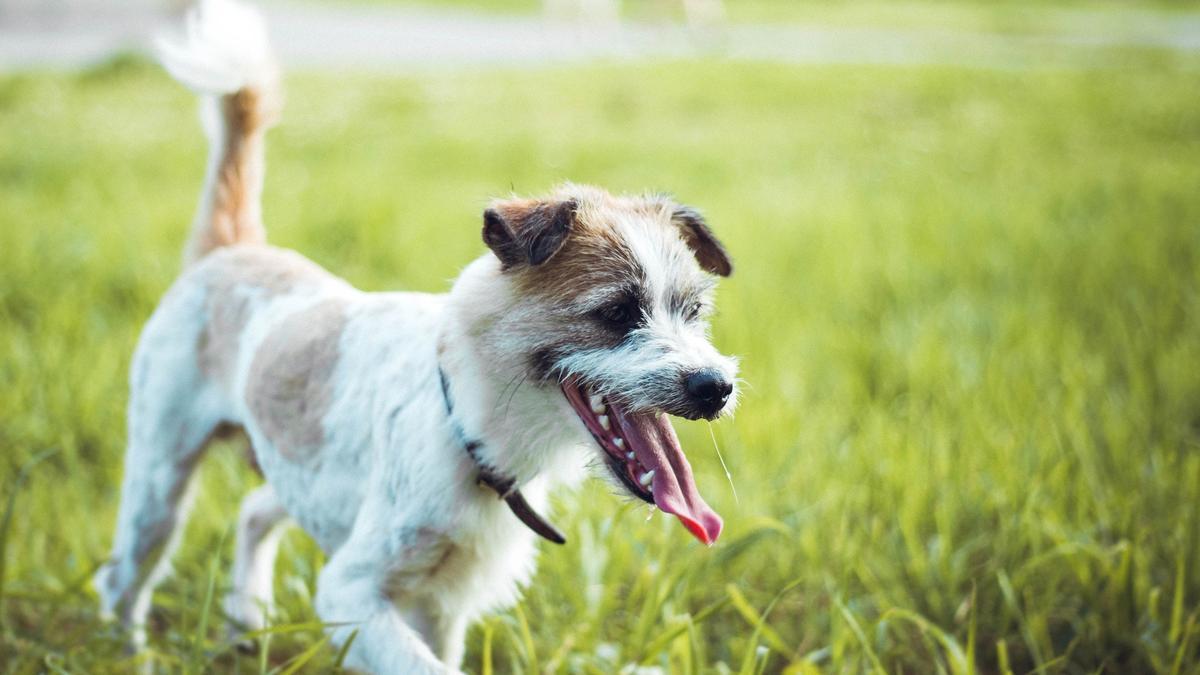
[505, 486]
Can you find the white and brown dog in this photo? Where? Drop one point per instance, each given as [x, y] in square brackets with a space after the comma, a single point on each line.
[413, 436]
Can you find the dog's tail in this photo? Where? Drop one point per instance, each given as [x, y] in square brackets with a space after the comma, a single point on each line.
[225, 57]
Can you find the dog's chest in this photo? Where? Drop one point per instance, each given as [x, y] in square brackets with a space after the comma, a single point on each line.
[491, 556]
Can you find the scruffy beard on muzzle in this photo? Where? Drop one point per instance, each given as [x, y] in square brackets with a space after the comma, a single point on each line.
[643, 374]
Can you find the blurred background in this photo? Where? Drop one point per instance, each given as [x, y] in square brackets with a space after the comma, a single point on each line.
[967, 303]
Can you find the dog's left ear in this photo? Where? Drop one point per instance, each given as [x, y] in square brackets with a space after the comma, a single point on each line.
[709, 252]
[527, 232]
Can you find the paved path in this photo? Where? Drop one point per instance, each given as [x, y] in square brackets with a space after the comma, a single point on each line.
[70, 33]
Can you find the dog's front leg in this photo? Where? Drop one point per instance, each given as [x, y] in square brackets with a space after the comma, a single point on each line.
[357, 594]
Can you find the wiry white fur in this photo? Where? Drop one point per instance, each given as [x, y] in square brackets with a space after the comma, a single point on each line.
[416, 549]
[497, 396]
[224, 47]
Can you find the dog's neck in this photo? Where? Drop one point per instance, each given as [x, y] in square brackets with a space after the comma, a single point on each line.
[525, 430]
[504, 486]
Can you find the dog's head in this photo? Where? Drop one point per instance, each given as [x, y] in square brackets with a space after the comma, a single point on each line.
[609, 299]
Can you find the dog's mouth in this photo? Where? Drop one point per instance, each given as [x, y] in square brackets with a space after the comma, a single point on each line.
[643, 452]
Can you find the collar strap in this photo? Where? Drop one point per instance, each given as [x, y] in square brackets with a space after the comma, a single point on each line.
[504, 486]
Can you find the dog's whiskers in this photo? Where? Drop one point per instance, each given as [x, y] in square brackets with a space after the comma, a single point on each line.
[728, 476]
[503, 391]
[508, 405]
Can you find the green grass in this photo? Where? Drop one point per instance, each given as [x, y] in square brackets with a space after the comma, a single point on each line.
[1079, 18]
[1070, 17]
[967, 303]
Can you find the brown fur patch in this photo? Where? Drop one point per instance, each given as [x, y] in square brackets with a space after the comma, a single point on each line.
[290, 385]
[593, 256]
[526, 231]
[235, 216]
[549, 311]
[243, 278]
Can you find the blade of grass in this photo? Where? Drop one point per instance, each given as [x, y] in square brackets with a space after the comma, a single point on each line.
[972, 632]
[958, 658]
[752, 648]
[862, 637]
[6, 523]
[54, 664]
[665, 637]
[486, 656]
[1010, 598]
[1181, 651]
[264, 654]
[1002, 657]
[1177, 602]
[341, 655]
[304, 657]
[748, 612]
[531, 658]
[287, 628]
[199, 639]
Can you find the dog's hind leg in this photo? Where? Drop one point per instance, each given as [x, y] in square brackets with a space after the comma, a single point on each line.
[260, 526]
[173, 412]
[155, 496]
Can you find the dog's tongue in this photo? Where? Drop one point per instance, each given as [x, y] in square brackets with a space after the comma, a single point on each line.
[657, 447]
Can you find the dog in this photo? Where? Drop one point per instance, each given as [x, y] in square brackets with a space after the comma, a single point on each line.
[414, 436]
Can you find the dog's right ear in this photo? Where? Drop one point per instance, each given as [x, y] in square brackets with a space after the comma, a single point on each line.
[527, 231]
[696, 234]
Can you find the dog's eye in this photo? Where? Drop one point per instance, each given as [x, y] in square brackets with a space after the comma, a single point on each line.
[621, 314]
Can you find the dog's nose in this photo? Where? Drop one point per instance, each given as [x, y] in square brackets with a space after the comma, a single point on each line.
[709, 388]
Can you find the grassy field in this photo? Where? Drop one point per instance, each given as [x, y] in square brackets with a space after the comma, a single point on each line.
[1084, 18]
[967, 304]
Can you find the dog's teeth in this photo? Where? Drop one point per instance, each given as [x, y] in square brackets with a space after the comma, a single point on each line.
[597, 403]
[646, 478]
[618, 442]
[603, 419]
[629, 455]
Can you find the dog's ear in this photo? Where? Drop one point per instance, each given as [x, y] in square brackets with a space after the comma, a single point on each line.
[527, 231]
[709, 252]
